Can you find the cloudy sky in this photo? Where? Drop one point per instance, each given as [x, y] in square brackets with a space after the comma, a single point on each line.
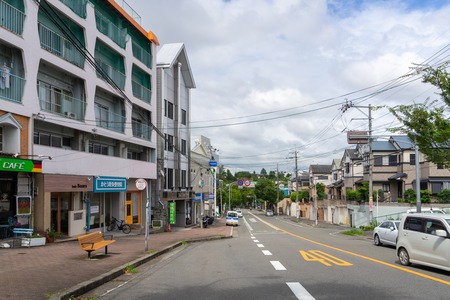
[272, 76]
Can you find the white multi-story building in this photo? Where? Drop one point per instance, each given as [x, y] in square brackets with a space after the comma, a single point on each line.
[174, 82]
[76, 109]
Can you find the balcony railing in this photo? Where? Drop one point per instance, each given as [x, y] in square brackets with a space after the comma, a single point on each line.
[141, 130]
[105, 26]
[143, 55]
[141, 92]
[60, 103]
[78, 7]
[11, 86]
[117, 76]
[11, 18]
[58, 45]
[109, 120]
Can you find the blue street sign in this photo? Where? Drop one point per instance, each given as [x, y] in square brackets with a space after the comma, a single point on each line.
[213, 163]
[106, 184]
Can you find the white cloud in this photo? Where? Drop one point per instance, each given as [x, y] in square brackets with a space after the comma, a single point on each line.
[251, 57]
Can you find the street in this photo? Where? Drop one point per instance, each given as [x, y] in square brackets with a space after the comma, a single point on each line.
[275, 258]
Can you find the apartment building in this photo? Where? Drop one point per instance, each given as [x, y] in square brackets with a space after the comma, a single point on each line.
[76, 109]
[174, 82]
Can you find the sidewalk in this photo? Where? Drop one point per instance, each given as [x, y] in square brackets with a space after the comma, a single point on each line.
[58, 270]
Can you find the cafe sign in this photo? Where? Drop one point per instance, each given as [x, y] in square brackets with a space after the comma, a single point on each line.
[20, 165]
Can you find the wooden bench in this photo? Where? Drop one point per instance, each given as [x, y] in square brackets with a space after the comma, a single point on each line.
[22, 231]
[94, 241]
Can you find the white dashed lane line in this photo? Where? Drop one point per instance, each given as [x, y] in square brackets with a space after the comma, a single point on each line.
[299, 291]
[277, 265]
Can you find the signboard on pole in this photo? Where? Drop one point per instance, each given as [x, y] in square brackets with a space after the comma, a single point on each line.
[141, 184]
[172, 213]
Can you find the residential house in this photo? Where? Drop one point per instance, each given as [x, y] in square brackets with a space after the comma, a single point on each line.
[175, 81]
[203, 176]
[76, 107]
[352, 169]
[335, 189]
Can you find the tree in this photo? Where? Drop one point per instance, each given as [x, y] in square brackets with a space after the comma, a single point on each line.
[265, 189]
[320, 187]
[426, 123]
[263, 172]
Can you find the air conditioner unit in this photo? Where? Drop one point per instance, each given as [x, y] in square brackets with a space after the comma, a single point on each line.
[71, 115]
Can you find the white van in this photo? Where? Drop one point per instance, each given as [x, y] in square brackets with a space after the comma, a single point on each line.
[426, 210]
[424, 239]
[232, 218]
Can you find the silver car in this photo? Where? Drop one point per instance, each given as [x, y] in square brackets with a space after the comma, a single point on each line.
[386, 233]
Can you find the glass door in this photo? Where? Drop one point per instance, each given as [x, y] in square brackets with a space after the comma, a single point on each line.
[60, 205]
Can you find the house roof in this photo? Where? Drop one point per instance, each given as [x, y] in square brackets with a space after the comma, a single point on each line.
[320, 169]
[352, 153]
[401, 142]
[169, 54]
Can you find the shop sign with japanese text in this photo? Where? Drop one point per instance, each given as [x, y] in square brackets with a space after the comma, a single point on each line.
[105, 184]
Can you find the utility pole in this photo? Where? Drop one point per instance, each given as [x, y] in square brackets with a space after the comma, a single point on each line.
[296, 184]
[278, 190]
[369, 154]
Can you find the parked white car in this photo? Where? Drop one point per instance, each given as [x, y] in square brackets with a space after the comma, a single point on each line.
[425, 239]
[239, 213]
[386, 233]
[426, 210]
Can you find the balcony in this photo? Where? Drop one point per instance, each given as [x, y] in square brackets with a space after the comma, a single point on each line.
[11, 86]
[59, 46]
[11, 18]
[78, 7]
[115, 75]
[105, 26]
[143, 55]
[141, 92]
[106, 119]
[141, 130]
[60, 103]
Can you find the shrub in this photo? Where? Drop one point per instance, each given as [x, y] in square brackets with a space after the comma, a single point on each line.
[444, 196]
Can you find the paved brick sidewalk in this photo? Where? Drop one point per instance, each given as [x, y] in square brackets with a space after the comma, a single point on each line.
[54, 270]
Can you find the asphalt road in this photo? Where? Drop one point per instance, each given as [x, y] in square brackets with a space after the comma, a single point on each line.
[275, 258]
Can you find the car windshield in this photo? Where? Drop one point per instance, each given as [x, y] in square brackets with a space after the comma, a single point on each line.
[269, 211]
[232, 215]
[397, 224]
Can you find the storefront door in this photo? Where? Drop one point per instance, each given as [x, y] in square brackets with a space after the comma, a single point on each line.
[60, 205]
[133, 204]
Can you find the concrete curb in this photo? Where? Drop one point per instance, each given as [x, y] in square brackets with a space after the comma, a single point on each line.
[86, 286]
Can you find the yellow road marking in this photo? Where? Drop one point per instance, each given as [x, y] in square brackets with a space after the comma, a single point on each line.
[324, 258]
[360, 256]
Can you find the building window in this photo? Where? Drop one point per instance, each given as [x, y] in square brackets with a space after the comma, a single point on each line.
[98, 148]
[183, 147]
[168, 109]
[378, 160]
[335, 176]
[392, 160]
[322, 177]
[183, 117]
[168, 142]
[183, 179]
[168, 179]
[102, 115]
[386, 187]
[52, 140]
[134, 155]
[347, 168]
[412, 159]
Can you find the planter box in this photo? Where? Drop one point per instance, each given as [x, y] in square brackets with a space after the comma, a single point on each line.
[31, 242]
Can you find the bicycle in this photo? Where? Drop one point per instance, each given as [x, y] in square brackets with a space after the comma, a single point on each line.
[120, 225]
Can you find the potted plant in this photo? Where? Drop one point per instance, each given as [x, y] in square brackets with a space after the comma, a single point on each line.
[51, 234]
[34, 240]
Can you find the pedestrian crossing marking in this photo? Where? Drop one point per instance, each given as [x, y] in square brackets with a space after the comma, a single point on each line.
[324, 258]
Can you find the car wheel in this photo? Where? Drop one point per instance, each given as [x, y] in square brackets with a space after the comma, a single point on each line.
[403, 256]
[376, 240]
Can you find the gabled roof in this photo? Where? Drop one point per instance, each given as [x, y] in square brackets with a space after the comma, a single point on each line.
[352, 154]
[401, 142]
[169, 54]
[320, 169]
